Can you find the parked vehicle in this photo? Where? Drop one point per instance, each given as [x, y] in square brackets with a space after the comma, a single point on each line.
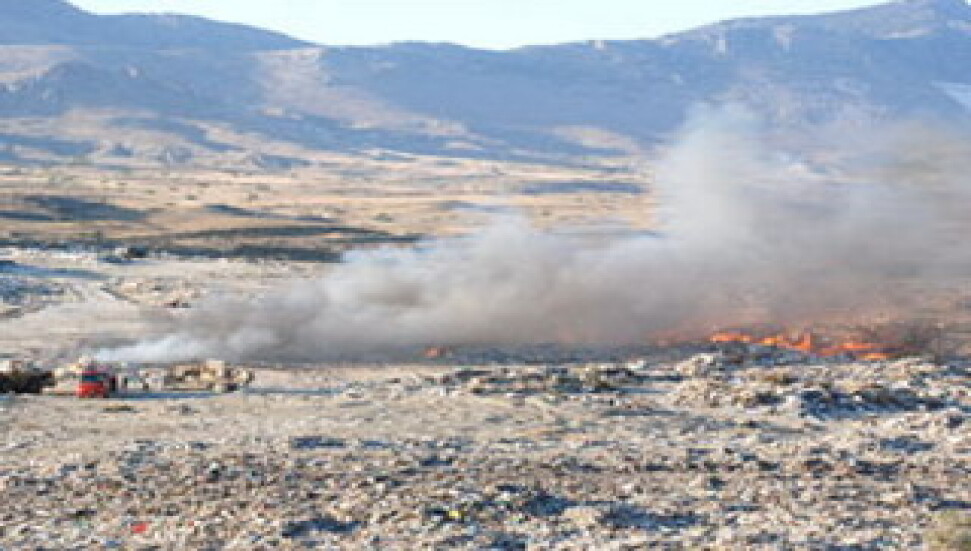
[96, 383]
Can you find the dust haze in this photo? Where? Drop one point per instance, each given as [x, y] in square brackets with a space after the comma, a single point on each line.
[751, 229]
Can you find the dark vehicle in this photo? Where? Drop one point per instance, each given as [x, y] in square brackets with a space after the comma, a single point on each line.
[25, 382]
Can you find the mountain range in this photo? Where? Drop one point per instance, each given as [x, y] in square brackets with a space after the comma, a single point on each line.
[178, 90]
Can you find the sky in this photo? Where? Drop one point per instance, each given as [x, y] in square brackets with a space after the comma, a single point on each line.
[494, 24]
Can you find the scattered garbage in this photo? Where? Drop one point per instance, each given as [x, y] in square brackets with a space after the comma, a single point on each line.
[211, 375]
[120, 408]
[208, 376]
[20, 377]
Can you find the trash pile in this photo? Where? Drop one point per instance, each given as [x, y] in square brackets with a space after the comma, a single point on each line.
[533, 354]
[620, 455]
[211, 375]
[818, 389]
[20, 377]
[530, 380]
[208, 376]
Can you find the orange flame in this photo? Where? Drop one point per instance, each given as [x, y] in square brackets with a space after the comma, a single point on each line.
[807, 343]
[436, 352]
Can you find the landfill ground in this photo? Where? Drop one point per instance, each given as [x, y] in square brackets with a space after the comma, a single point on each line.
[712, 451]
[688, 447]
[739, 447]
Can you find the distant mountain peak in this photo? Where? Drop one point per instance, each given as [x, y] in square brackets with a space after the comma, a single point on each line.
[36, 7]
[938, 4]
[903, 17]
[900, 18]
[60, 22]
[946, 9]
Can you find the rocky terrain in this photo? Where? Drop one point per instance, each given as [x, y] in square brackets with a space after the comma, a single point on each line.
[718, 450]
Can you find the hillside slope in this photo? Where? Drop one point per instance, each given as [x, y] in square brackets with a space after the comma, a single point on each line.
[204, 92]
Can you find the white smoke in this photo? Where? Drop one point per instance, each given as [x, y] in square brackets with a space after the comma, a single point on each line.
[748, 234]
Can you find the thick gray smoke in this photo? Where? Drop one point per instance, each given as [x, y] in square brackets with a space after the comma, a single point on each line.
[748, 234]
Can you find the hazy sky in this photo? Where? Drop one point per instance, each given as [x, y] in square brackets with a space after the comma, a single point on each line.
[481, 23]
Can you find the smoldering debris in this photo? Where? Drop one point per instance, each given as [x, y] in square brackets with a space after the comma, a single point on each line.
[749, 233]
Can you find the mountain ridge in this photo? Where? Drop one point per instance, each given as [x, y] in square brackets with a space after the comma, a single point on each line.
[46, 22]
[204, 89]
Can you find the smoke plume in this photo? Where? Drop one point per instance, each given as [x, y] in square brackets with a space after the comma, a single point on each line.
[748, 233]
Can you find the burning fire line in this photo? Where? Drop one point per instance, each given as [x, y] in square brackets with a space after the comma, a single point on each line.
[807, 343]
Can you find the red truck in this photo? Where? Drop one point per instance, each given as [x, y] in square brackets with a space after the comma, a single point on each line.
[96, 383]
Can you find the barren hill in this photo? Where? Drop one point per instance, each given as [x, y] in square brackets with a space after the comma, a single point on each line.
[169, 89]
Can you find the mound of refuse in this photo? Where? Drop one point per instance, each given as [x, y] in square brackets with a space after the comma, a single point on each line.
[23, 378]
